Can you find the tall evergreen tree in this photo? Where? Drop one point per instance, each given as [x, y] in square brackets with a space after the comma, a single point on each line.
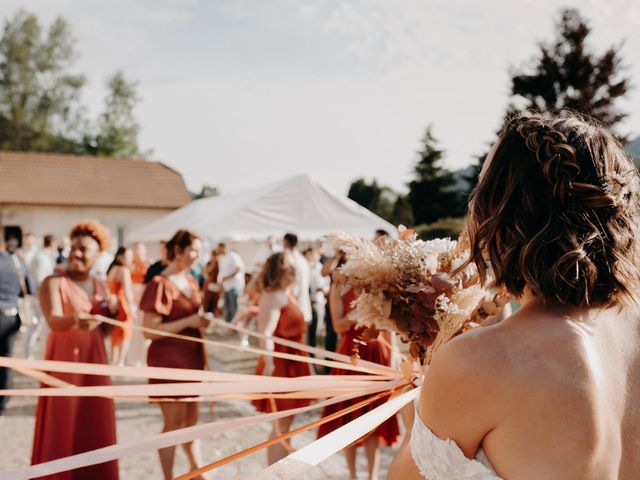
[567, 74]
[429, 193]
[39, 95]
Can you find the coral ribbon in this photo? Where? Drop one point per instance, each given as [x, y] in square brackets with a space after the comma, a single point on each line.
[175, 437]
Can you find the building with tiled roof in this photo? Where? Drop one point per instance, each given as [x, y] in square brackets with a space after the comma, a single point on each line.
[47, 193]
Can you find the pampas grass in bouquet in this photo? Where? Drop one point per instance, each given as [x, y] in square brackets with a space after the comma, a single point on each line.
[415, 288]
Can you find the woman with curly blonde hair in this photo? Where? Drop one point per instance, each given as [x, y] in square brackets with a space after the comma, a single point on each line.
[70, 302]
[551, 392]
[280, 315]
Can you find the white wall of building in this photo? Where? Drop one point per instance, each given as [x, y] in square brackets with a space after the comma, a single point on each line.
[43, 220]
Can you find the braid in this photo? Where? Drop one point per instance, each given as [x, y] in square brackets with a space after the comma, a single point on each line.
[557, 211]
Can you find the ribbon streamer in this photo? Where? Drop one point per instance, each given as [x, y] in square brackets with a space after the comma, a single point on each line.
[311, 455]
[175, 437]
[282, 437]
[374, 368]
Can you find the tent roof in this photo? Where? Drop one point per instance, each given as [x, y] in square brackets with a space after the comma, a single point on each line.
[296, 204]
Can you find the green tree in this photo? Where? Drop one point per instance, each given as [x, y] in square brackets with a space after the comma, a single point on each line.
[430, 195]
[117, 129]
[402, 212]
[380, 199]
[39, 96]
[567, 74]
[206, 192]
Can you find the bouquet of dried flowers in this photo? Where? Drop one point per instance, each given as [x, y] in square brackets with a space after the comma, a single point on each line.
[415, 288]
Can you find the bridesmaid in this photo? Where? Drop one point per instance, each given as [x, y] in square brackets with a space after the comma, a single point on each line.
[70, 299]
[375, 350]
[119, 283]
[170, 303]
[279, 315]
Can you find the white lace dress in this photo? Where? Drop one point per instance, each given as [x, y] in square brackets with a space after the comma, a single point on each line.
[439, 459]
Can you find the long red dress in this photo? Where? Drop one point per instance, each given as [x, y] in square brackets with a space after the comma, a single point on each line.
[291, 326]
[119, 334]
[374, 351]
[70, 425]
[163, 297]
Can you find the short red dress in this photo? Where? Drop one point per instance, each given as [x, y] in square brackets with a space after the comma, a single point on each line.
[163, 297]
[70, 425]
[119, 334]
[291, 326]
[374, 351]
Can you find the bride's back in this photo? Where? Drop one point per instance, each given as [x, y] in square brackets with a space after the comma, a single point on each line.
[566, 390]
[556, 212]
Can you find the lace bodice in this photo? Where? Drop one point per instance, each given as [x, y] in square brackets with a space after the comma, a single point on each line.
[439, 459]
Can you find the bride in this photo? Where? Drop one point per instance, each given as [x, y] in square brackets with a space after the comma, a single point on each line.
[552, 392]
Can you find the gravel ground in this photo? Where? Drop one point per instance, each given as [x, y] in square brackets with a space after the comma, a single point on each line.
[139, 420]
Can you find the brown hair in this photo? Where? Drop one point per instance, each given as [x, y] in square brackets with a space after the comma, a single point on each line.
[93, 229]
[181, 239]
[273, 270]
[558, 210]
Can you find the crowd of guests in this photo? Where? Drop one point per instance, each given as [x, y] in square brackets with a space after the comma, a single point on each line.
[289, 294]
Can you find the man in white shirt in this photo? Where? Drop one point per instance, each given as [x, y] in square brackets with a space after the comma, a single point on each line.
[303, 275]
[318, 288]
[231, 276]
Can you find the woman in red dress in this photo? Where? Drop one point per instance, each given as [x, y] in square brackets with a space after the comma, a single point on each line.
[279, 315]
[70, 300]
[375, 350]
[119, 283]
[170, 303]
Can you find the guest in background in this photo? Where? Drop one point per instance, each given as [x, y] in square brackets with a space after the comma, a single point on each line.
[157, 267]
[279, 315]
[70, 302]
[170, 303]
[269, 248]
[140, 263]
[374, 350]
[119, 282]
[42, 265]
[231, 278]
[14, 282]
[318, 288]
[303, 276]
[212, 290]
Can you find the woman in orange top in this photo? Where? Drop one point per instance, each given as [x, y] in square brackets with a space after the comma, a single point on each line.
[119, 282]
[279, 315]
[139, 264]
[170, 303]
[375, 350]
[70, 300]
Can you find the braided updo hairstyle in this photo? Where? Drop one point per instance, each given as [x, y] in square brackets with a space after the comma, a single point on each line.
[557, 209]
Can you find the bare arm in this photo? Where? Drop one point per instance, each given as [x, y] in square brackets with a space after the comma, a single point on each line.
[341, 324]
[51, 305]
[268, 317]
[154, 320]
[127, 287]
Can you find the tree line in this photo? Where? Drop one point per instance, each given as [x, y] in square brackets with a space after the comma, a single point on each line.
[566, 73]
[40, 96]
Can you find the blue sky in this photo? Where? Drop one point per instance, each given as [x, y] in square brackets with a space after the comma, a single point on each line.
[239, 93]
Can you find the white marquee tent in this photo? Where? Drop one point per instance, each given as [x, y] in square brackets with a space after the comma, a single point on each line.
[297, 205]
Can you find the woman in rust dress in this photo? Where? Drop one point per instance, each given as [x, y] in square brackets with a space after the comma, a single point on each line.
[70, 300]
[170, 303]
[374, 350]
[280, 316]
[119, 283]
